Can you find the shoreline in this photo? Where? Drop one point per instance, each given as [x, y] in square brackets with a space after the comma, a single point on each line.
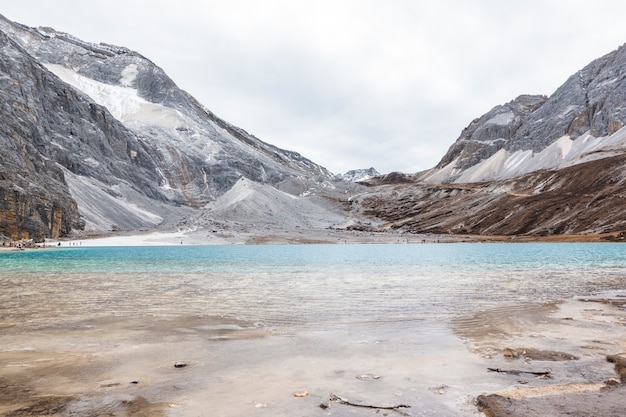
[334, 236]
[603, 398]
[144, 366]
[592, 331]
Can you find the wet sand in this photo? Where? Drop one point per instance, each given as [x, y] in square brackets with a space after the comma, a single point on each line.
[584, 377]
[127, 366]
[114, 366]
[201, 366]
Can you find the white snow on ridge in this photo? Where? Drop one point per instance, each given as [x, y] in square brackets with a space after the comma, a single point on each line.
[120, 101]
[561, 153]
[123, 102]
[135, 112]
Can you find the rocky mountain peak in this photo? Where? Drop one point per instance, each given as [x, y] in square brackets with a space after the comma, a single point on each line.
[99, 136]
[489, 133]
[592, 102]
[356, 175]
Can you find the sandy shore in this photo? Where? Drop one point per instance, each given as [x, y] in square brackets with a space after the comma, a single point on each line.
[242, 236]
[584, 378]
[205, 366]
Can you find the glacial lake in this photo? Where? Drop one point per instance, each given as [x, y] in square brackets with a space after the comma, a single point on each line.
[390, 310]
[306, 284]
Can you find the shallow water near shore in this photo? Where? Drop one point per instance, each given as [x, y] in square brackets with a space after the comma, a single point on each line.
[377, 324]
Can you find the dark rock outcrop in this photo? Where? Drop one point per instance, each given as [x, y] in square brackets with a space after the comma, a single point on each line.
[34, 199]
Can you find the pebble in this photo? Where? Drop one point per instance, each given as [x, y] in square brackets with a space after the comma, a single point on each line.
[368, 376]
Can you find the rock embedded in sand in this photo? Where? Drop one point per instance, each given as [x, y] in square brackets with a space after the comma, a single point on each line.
[371, 377]
[180, 365]
[609, 403]
[620, 365]
[562, 400]
[611, 383]
[538, 354]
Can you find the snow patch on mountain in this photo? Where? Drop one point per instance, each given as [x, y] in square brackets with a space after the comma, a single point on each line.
[122, 102]
[504, 164]
[138, 114]
[175, 133]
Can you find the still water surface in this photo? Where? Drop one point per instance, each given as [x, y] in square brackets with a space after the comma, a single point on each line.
[275, 285]
[334, 312]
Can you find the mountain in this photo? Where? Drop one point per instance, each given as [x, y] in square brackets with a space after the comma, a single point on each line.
[356, 175]
[534, 166]
[586, 199]
[576, 124]
[96, 137]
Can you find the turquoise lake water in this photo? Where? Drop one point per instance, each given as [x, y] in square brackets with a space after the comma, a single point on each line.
[301, 284]
[427, 318]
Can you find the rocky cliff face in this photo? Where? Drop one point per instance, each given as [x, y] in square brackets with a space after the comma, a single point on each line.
[491, 132]
[34, 199]
[98, 137]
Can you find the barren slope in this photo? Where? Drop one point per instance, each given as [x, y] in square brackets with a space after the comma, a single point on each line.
[588, 198]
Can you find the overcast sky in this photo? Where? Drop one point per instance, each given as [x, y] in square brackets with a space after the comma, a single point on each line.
[353, 83]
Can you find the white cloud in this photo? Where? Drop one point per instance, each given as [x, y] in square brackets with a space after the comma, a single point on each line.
[350, 84]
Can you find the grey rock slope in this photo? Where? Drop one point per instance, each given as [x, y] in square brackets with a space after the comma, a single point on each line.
[588, 106]
[98, 136]
[491, 132]
[585, 199]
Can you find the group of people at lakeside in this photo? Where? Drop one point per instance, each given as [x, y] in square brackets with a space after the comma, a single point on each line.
[9, 244]
[23, 244]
